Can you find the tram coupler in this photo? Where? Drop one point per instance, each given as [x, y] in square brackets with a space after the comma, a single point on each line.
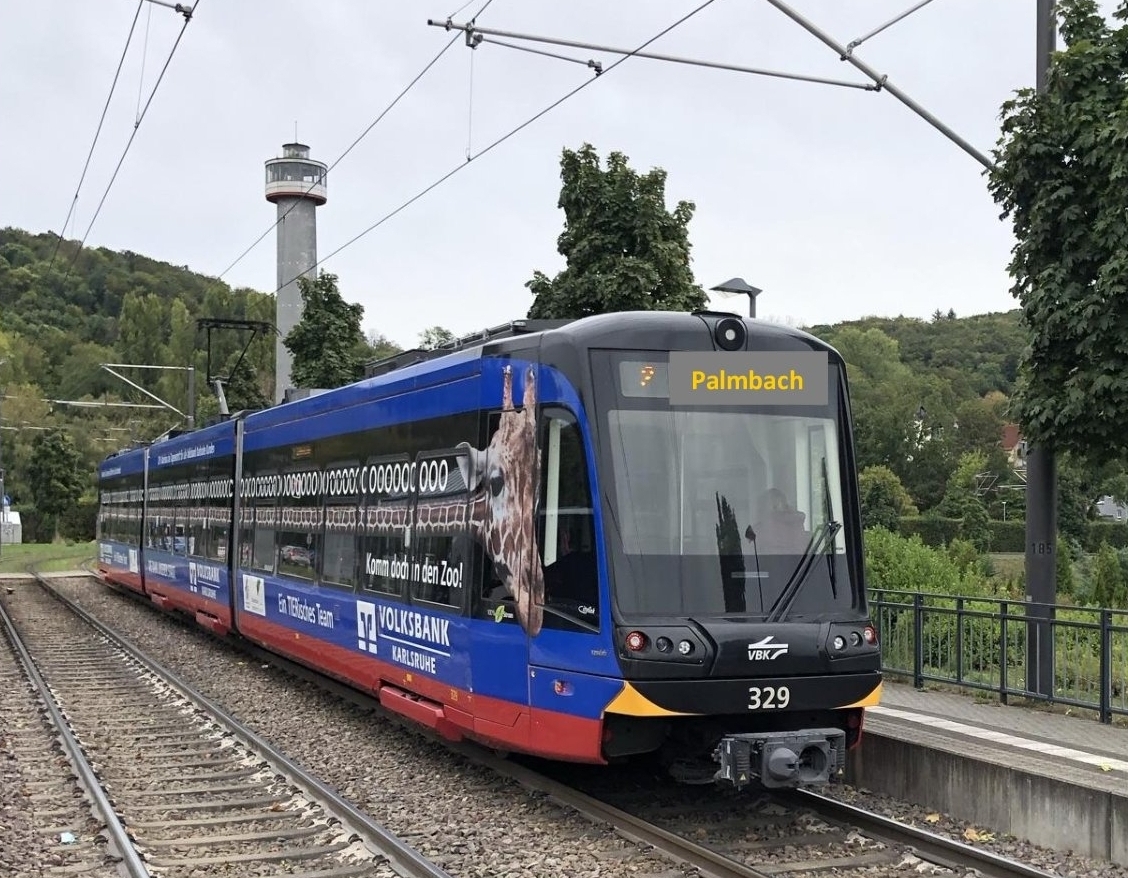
[781, 759]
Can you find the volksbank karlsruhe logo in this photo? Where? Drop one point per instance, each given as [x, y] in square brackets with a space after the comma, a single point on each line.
[748, 378]
[366, 637]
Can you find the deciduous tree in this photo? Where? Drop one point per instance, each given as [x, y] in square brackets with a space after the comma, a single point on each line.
[1060, 175]
[53, 473]
[377, 345]
[625, 251]
[1108, 582]
[429, 339]
[326, 342]
[884, 499]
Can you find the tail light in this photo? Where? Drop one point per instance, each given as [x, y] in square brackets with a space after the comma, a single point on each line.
[869, 634]
[636, 641]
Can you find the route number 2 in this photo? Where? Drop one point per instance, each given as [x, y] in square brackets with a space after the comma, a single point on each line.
[768, 697]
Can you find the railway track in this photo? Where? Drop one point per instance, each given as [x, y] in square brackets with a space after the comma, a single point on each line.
[726, 834]
[177, 787]
[719, 833]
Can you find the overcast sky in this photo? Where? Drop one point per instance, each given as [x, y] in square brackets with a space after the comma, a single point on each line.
[837, 202]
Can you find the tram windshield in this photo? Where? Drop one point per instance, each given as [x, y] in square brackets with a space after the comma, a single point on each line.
[725, 512]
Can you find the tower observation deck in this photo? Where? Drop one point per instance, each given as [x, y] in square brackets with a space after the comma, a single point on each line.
[295, 183]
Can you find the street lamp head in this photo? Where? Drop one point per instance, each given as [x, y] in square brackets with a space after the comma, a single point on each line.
[738, 286]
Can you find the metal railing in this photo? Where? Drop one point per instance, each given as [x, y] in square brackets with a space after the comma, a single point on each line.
[983, 643]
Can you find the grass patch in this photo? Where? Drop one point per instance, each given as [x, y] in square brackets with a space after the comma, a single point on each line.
[46, 557]
[1008, 563]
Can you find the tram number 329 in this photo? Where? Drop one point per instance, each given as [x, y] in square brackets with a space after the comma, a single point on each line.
[768, 697]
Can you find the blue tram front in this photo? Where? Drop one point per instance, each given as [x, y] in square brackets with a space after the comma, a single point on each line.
[732, 540]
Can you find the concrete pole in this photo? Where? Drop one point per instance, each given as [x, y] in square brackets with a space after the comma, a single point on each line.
[1041, 482]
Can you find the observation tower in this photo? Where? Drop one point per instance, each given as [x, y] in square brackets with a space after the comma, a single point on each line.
[296, 184]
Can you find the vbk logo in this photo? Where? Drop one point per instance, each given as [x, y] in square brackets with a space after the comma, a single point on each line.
[366, 626]
[766, 650]
[192, 572]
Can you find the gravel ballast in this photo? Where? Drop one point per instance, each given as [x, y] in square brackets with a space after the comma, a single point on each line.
[463, 816]
[46, 823]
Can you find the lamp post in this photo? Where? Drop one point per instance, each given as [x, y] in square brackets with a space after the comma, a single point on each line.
[737, 286]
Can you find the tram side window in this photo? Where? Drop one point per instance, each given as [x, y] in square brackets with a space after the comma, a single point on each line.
[153, 537]
[245, 535]
[219, 518]
[565, 522]
[338, 564]
[197, 515]
[299, 534]
[385, 557]
[258, 538]
[385, 562]
[442, 564]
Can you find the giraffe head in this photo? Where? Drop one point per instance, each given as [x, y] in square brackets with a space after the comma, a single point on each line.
[507, 474]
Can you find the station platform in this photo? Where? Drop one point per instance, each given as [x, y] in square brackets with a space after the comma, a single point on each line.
[1055, 780]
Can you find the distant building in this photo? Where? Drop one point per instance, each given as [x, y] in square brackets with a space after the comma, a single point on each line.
[11, 528]
[1109, 509]
[1014, 446]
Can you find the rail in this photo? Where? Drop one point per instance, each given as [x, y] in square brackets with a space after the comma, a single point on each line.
[984, 644]
[88, 777]
[404, 859]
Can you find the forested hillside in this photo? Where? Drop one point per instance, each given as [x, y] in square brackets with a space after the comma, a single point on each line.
[59, 322]
[930, 397]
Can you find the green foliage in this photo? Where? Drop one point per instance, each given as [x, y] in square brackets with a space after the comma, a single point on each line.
[431, 338]
[884, 499]
[932, 530]
[1108, 580]
[35, 526]
[1008, 536]
[1063, 569]
[115, 307]
[53, 473]
[377, 347]
[325, 343]
[886, 398]
[963, 553]
[907, 564]
[976, 355]
[975, 526]
[624, 250]
[1060, 173]
[960, 490]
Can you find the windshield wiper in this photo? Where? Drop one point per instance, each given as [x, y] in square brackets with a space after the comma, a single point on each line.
[819, 539]
[831, 567]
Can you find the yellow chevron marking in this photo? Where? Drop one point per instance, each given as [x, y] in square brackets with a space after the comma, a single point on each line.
[871, 700]
[631, 702]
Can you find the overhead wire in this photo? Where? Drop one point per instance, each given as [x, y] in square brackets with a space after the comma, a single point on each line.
[97, 132]
[144, 53]
[189, 14]
[471, 158]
